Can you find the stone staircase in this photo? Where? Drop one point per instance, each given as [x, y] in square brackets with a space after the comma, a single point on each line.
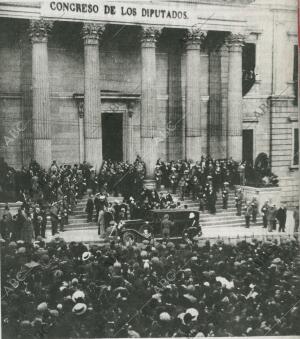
[222, 217]
[78, 218]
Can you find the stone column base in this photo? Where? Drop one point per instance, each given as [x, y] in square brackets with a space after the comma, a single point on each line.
[193, 148]
[43, 152]
[235, 147]
[93, 152]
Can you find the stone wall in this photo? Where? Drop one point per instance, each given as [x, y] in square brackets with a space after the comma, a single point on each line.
[284, 115]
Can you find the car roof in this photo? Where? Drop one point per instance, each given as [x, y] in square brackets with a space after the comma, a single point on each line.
[165, 210]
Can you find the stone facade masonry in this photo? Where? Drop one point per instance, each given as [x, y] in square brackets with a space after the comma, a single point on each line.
[121, 71]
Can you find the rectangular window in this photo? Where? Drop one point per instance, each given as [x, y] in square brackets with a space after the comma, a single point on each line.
[295, 160]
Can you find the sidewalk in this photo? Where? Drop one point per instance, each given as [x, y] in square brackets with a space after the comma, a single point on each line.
[91, 235]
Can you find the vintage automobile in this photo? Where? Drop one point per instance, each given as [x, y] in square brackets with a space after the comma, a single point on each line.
[151, 227]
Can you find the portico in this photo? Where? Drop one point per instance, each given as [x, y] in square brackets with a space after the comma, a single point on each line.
[193, 122]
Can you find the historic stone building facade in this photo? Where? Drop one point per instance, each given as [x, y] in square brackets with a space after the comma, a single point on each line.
[224, 85]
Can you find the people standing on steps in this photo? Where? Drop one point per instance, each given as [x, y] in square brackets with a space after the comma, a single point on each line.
[239, 201]
[254, 205]
[100, 202]
[54, 218]
[211, 199]
[271, 216]
[90, 208]
[248, 213]
[264, 211]
[281, 217]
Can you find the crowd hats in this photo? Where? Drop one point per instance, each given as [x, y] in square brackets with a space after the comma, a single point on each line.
[86, 256]
[79, 309]
[77, 296]
[164, 316]
[42, 307]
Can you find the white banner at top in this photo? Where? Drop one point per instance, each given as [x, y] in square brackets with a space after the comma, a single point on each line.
[120, 12]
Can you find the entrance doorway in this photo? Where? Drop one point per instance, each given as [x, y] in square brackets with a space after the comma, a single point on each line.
[112, 136]
[248, 146]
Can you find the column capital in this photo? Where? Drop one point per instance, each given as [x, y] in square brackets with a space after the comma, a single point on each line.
[235, 41]
[39, 30]
[194, 37]
[150, 35]
[92, 33]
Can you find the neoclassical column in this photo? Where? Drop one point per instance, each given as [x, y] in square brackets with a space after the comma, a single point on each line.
[234, 117]
[194, 140]
[150, 135]
[38, 32]
[91, 33]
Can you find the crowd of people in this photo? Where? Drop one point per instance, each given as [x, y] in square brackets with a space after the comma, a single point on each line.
[56, 290]
[55, 192]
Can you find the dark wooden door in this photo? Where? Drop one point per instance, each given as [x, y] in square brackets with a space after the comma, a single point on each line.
[248, 146]
[112, 136]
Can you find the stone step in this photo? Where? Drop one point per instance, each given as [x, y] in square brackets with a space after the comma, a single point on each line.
[77, 215]
[81, 226]
[224, 215]
[228, 222]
